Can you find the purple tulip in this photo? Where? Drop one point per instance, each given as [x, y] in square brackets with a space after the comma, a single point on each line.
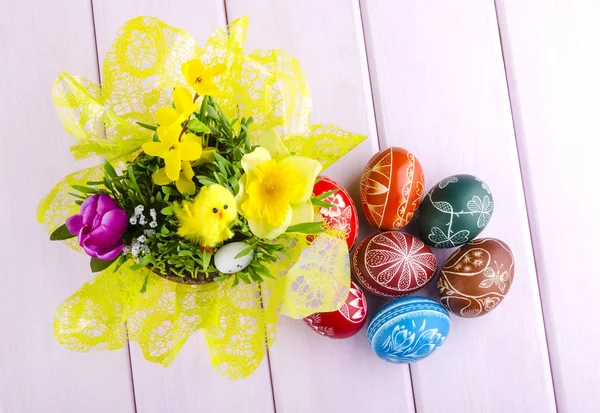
[99, 225]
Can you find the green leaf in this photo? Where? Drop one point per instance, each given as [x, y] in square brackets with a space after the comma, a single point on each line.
[307, 228]
[110, 171]
[85, 189]
[169, 190]
[146, 126]
[196, 126]
[205, 260]
[145, 284]
[204, 180]
[61, 233]
[137, 266]
[100, 265]
[321, 204]
[132, 179]
[167, 211]
[326, 194]
[213, 113]
[245, 252]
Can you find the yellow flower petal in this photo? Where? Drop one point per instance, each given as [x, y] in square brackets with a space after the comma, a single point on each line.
[208, 155]
[216, 70]
[190, 137]
[169, 135]
[256, 157]
[185, 184]
[187, 170]
[184, 102]
[172, 164]
[262, 229]
[155, 148]
[306, 170]
[240, 196]
[189, 151]
[271, 141]
[302, 213]
[166, 116]
[161, 178]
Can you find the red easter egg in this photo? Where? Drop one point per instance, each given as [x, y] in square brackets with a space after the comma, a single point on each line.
[345, 322]
[343, 214]
[392, 264]
[391, 188]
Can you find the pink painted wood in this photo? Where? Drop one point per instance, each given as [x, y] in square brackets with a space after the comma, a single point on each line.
[551, 53]
[440, 91]
[191, 381]
[37, 374]
[312, 373]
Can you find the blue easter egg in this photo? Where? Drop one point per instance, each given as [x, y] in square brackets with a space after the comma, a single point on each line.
[408, 329]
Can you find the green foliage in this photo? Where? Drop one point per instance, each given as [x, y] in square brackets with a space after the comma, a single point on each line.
[153, 243]
[61, 233]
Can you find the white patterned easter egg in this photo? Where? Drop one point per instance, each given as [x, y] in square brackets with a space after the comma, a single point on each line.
[408, 329]
[225, 260]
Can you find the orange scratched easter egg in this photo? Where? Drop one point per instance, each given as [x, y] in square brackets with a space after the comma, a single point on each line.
[391, 188]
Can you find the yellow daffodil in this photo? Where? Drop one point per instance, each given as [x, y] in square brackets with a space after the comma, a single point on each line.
[173, 150]
[276, 187]
[184, 107]
[201, 78]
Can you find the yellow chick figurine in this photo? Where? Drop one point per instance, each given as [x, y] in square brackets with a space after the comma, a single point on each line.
[207, 218]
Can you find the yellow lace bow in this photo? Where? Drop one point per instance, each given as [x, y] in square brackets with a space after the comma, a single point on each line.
[141, 69]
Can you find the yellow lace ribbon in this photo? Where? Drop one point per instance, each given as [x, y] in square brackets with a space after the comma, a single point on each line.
[139, 73]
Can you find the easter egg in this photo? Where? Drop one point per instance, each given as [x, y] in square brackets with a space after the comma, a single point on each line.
[408, 329]
[391, 188]
[342, 215]
[392, 264]
[455, 211]
[225, 260]
[477, 277]
[345, 322]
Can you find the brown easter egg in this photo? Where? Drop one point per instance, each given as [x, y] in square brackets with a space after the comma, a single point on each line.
[477, 277]
[391, 188]
[392, 264]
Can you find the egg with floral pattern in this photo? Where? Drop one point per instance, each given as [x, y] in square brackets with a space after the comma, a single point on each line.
[345, 322]
[477, 277]
[391, 188]
[455, 211]
[342, 214]
[408, 329]
[392, 264]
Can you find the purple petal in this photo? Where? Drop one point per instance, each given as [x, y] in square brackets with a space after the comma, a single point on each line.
[83, 235]
[105, 204]
[116, 220]
[88, 209]
[74, 224]
[104, 253]
[103, 236]
[96, 222]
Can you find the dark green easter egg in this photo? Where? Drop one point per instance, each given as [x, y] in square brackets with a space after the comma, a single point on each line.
[455, 211]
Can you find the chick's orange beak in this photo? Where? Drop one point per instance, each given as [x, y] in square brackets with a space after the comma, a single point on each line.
[221, 215]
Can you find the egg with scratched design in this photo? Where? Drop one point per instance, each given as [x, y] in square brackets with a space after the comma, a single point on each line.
[391, 188]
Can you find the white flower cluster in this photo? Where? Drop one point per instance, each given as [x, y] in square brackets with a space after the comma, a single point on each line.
[139, 218]
[138, 247]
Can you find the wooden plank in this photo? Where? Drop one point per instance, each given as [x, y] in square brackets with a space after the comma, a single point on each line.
[554, 88]
[440, 91]
[312, 373]
[38, 40]
[190, 382]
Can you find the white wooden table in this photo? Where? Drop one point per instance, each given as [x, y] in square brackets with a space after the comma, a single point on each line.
[507, 90]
